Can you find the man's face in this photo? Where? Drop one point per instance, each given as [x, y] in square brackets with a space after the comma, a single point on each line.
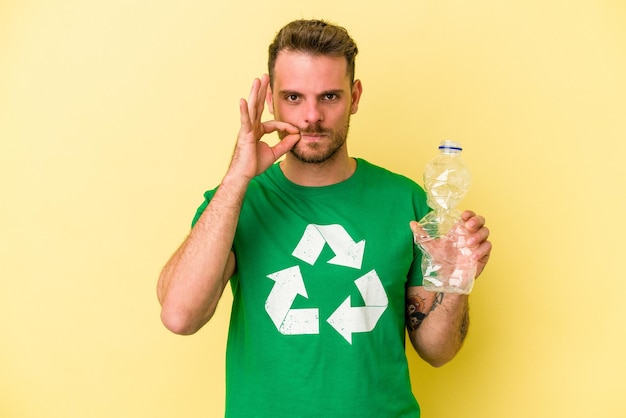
[314, 93]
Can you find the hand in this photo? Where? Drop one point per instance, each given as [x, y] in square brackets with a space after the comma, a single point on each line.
[253, 156]
[478, 239]
[476, 235]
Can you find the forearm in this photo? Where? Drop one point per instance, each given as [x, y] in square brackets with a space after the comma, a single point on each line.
[440, 334]
[438, 323]
[193, 280]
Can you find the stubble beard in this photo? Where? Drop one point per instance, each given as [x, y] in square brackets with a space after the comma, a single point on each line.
[316, 152]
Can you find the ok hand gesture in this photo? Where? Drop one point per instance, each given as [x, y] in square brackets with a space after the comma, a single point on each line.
[253, 156]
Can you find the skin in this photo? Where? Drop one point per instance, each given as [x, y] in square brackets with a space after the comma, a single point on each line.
[438, 323]
[311, 100]
[315, 95]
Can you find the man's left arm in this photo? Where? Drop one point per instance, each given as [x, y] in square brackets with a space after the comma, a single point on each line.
[438, 322]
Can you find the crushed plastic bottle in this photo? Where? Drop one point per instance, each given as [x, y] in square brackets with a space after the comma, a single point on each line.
[446, 263]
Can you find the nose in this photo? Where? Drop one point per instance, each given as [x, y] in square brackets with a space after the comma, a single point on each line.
[312, 112]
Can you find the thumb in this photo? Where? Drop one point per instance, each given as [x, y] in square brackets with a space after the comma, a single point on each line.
[419, 233]
[285, 144]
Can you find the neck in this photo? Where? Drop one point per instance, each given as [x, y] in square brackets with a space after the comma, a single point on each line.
[335, 170]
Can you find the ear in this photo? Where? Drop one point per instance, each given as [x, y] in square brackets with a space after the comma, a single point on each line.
[357, 90]
[269, 100]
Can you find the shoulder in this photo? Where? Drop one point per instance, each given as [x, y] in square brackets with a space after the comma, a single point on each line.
[386, 177]
[270, 178]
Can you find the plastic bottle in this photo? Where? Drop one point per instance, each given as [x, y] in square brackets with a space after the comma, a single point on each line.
[446, 262]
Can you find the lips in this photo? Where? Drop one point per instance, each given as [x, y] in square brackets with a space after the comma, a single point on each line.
[313, 135]
[312, 138]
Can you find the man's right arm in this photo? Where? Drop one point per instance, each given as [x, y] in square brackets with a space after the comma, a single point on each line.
[194, 278]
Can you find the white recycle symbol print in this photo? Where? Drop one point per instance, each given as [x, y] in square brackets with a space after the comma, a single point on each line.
[289, 283]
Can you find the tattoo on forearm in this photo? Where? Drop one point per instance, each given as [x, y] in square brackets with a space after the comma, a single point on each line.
[415, 311]
[438, 301]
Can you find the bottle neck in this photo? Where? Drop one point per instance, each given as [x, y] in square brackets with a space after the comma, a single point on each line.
[449, 151]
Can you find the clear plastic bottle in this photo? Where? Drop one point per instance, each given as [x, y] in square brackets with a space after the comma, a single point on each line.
[446, 263]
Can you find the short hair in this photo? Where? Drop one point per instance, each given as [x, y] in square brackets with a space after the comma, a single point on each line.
[315, 37]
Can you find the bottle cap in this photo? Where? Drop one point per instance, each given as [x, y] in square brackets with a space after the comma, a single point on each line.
[450, 145]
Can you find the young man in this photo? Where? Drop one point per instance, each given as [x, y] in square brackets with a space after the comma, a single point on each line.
[318, 251]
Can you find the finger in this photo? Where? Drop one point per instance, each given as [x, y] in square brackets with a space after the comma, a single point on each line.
[265, 81]
[419, 233]
[474, 223]
[253, 100]
[466, 215]
[285, 144]
[483, 252]
[478, 237]
[277, 125]
[244, 115]
[288, 141]
[260, 99]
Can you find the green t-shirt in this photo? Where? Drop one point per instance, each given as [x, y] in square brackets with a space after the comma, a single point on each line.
[317, 322]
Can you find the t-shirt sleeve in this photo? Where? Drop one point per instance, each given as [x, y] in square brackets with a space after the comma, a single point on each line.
[415, 272]
[208, 195]
[421, 209]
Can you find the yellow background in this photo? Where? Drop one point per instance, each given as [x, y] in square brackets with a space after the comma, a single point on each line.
[116, 115]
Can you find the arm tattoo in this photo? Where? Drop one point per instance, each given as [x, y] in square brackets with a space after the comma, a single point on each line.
[464, 322]
[438, 301]
[415, 311]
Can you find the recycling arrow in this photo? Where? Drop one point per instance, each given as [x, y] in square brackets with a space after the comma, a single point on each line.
[348, 320]
[347, 252]
[289, 284]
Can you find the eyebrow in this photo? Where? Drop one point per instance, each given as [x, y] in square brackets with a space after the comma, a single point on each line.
[297, 93]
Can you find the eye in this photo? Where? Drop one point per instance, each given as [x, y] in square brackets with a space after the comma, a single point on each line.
[292, 97]
[330, 96]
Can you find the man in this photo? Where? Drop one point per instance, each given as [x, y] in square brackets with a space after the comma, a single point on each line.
[318, 251]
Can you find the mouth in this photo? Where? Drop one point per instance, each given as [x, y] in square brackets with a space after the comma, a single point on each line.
[313, 136]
